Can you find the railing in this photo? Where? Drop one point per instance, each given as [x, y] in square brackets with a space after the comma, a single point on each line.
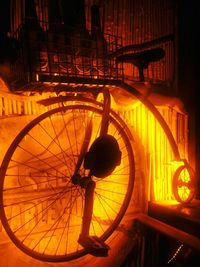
[159, 244]
[16, 105]
[168, 230]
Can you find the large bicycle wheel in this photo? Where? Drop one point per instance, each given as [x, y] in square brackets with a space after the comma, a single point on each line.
[41, 208]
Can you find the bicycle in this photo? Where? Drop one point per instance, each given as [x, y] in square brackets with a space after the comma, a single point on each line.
[62, 193]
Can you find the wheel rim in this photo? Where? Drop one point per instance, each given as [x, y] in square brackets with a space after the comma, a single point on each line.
[183, 184]
[41, 209]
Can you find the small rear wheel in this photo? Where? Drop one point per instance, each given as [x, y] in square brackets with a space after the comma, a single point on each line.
[183, 184]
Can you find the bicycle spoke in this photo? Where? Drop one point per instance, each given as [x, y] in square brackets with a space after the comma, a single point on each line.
[42, 207]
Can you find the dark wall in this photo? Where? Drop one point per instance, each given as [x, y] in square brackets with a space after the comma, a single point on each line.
[4, 16]
[189, 33]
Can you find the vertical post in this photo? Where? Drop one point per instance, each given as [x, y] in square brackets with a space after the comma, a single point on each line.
[88, 208]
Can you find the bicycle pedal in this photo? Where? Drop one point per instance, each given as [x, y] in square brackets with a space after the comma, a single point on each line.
[94, 245]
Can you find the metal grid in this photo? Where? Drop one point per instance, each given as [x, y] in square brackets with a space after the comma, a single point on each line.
[67, 55]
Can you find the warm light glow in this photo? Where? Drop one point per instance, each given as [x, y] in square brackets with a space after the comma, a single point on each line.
[159, 153]
[176, 164]
[37, 77]
[43, 207]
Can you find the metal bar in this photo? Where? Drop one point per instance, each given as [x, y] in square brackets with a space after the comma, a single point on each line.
[169, 231]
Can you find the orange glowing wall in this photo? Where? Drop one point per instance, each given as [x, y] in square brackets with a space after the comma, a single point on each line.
[159, 156]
